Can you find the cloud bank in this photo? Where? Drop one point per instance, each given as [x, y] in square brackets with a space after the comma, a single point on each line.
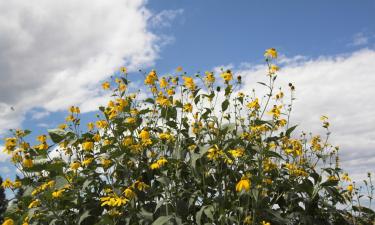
[54, 54]
[341, 87]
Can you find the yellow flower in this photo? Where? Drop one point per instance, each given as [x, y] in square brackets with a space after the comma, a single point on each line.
[42, 138]
[8, 222]
[127, 141]
[188, 107]
[247, 220]
[58, 193]
[87, 161]
[144, 135]
[91, 126]
[350, 188]
[113, 201]
[265, 223]
[123, 70]
[17, 184]
[141, 186]
[101, 124]
[151, 78]
[63, 126]
[106, 162]
[69, 118]
[130, 120]
[254, 104]
[129, 193]
[28, 163]
[163, 82]
[192, 147]
[281, 122]
[346, 177]
[243, 184]
[163, 101]
[10, 144]
[209, 78]
[122, 87]
[227, 76]
[179, 69]
[315, 143]
[96, 137]
[236, 153]
[75, 165]
[42, 146]
[214, 153]
[323, 118]
[170, 92]
[7, 183]
[275, 111]
[273, 69]
[87, 145]
[162, 161]
[154, 166]
[165, 136]
[34, 204]
[106, 85]
[189, 83]
[107, 142]
[280, 95]
[74, 109]
[270, 53]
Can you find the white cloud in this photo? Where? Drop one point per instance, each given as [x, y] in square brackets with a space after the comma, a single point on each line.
[165, 17]
[341, 87]
[4, 170]
[53, 54]
[3, 156]
[359, 39]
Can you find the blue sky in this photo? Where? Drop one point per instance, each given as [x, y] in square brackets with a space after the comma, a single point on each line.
[45, 57]
[212, 32]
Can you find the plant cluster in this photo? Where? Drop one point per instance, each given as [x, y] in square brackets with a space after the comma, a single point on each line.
[196, 150]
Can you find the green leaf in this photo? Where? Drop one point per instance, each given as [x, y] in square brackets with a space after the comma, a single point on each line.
[195, 156]
[224, 105]
[329, 183]
[57, 135]
[86, 184]
[207, 210]
[290, 130]
[146, 214]
[272, 154]
[60, 182]
[363, 209]
[196, 100]
[172, 124]
[150, 100]
[105, 220]
[277, 216]
[84, 216]
[162, 220]
[228, 89]
[262, 84]
[206, 113]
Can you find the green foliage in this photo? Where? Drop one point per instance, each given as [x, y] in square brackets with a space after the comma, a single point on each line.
[188, 153]
[3, 201]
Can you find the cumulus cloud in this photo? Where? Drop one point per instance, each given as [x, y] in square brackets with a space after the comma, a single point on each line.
[359, 39]
[3, 156]
[53, 54]
[341, 87]
[165, 17]
[4, 170]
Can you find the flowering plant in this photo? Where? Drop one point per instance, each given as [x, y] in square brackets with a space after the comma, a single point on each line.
[195, 150]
